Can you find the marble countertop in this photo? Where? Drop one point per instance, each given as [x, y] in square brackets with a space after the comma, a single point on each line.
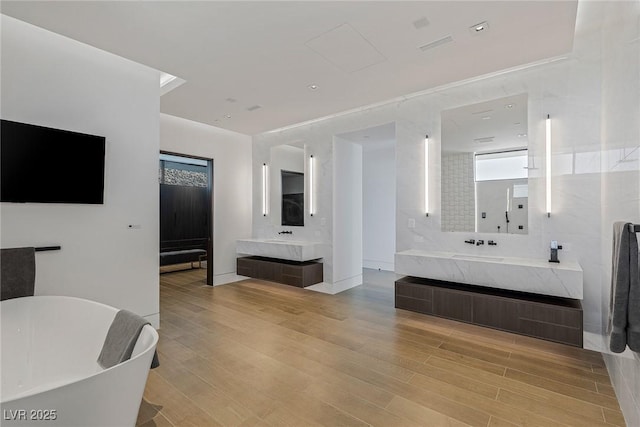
[292, 250]
[532, 275]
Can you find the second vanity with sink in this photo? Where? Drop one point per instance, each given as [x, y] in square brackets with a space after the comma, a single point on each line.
[527, 296]
[537, 276]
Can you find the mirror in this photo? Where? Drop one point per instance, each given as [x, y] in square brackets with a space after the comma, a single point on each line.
[287, 185]
[485, 167]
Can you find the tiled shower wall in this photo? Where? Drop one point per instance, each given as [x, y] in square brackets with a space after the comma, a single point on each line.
[458, 192]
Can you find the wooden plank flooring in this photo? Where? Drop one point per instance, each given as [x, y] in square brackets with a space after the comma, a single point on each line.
[256, 353]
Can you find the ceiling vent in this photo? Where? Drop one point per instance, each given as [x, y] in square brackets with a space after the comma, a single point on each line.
[254, 107]
[436, 43]
[485, 139]
[420, 23]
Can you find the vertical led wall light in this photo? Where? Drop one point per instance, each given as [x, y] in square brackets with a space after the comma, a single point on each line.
[265, 189]
[548, 165]
[426, 175]
[312, 205]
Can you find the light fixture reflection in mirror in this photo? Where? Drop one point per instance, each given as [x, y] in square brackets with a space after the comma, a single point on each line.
[548, 164]
[312, 206]
[426, 175]
[265, 189]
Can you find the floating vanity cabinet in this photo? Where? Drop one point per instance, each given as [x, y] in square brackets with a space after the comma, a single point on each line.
[300, 274]
[550, 318]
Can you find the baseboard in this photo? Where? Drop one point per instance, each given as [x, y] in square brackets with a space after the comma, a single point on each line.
[223, 279]
[337, 287]
[154, 319]
[621, 371]
[378, 265]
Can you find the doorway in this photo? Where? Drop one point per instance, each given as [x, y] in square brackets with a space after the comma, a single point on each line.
[364, 202]
[186, 211]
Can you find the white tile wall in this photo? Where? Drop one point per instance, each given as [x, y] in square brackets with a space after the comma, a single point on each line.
[620, 181]
[458, 192]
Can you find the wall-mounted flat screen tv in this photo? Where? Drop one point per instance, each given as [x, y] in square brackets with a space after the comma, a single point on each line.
[45, 165]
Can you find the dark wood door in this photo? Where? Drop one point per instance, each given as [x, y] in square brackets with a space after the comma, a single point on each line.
[184, 213]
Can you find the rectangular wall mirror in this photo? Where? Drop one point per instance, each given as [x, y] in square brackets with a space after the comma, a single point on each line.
[485, 167]
[287, 185]
[292, 198]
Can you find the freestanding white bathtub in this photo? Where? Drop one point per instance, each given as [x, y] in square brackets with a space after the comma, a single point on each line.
[50, 375]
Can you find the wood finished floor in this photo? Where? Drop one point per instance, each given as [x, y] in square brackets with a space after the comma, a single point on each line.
[256, 353]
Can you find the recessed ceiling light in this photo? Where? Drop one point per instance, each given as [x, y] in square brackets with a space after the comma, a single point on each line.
[486, 118]
[313, 87]
[228, 116]
[522, 135]
[509, 106]
[479, 27]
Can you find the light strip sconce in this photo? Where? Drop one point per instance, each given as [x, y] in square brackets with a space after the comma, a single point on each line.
[426, 175]
[265, 189]
[548, 165]
[312, 205]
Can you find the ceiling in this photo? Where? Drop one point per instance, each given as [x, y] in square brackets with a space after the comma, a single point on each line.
[373, 138]
[237, 55]
[496, 125]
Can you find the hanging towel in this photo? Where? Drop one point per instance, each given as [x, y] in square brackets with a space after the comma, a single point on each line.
[18, 273]
[121, 339]
[624, 306]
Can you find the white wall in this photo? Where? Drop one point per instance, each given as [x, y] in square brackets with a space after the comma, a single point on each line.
[379, 207]
[231, 154]
[347, 213]
[620, 138]
[54, 81]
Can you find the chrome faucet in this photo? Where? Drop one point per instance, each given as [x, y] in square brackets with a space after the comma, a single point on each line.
[285, 232]
[470, 241]
[480, 242]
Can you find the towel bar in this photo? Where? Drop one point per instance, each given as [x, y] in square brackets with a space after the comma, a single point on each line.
[634, 228]
[48, 248]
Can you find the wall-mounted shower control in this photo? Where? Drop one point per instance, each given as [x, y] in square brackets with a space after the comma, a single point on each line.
[480, 242]
[491, 243]
[470, 241]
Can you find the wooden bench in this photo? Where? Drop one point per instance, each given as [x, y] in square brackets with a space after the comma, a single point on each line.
[183, 251]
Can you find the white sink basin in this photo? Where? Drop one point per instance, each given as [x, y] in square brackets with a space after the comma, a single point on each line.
[291, 250]
[537, 276]
[478, 258]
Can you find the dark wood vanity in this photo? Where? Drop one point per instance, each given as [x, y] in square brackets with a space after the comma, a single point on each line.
[294, 273]
[550, 318]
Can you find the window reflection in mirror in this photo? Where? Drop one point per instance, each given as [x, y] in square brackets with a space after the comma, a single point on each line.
[485, 167]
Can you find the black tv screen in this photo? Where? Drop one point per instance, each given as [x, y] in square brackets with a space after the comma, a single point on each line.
[45, 165]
